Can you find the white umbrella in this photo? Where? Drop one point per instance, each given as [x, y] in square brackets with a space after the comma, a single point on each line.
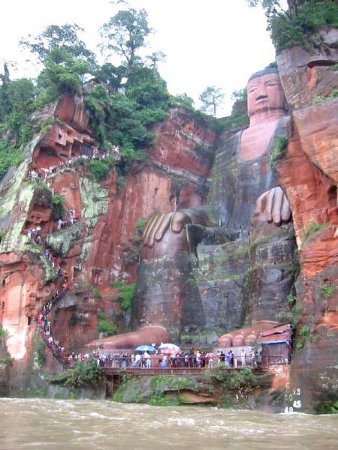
[168, 347]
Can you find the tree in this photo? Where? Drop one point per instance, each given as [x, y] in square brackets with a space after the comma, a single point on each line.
[125, 34]
[110, 75]
[155, 58]
[65, 59]
[5, 76]
[62, 73]
[299, 24]
[273, 7]
[182, 100]
[62, 37]
[211, 98]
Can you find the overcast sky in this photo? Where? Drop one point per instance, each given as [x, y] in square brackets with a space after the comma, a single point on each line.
[207, 42]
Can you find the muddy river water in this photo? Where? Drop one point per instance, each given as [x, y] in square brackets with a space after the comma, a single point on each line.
[43, 424]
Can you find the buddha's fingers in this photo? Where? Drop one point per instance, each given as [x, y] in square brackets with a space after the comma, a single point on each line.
[147, 228]
[162, 226]
[152, 232]
[277, 206]
[149, 232]
[259, 205]
[178, 221]
[286, 210]
[269, 204]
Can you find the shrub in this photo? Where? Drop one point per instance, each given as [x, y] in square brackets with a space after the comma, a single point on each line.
[327, 407]
[131, 113]
[9, 156]
[40, 352]
[95, 291]
[99, 169]
[305, 331]
[293, 314]
[278, 151]
[305, 335]
[3, 332]
[58, 207]
[84, 373]
[6, 360]
[326, 290]
[125, 295]
[141, 224]
[237, 382]
[104, 325]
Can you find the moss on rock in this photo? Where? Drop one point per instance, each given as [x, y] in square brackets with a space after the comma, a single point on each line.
[95, 200]
[63, 240]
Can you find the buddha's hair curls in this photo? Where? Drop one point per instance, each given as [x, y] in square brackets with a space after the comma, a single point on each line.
[263, 72]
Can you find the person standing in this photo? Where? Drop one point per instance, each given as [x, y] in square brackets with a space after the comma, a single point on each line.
[147, 360]
[243, 355]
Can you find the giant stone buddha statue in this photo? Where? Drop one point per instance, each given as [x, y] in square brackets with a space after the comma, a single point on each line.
[244, 202]
[227, 264]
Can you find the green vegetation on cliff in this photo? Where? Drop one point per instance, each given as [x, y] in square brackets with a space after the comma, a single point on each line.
[298, 26]
[124, 100]
[16, 106]
[84, 373]
[125, 295]
[104, 325]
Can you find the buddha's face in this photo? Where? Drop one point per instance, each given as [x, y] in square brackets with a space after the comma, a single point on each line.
[265, 93]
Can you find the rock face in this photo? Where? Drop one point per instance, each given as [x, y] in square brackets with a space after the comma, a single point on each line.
[309, 174]
[97, 243]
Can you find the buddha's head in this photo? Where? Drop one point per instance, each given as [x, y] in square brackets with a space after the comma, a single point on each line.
[265, 93]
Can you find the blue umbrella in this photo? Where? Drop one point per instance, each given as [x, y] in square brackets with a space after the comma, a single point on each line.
[143, 348]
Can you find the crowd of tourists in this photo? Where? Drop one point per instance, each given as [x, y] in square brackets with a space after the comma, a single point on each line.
[43, 173]
[145, 360]
[46, 328]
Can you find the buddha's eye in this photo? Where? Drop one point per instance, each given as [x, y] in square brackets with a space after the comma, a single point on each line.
[272, 83]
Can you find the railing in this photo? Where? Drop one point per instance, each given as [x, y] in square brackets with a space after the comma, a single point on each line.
[153, 371]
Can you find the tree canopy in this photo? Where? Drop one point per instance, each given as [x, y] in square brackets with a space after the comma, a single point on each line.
[64, 37]
[126, 98]
[211, 98]
[125, 34]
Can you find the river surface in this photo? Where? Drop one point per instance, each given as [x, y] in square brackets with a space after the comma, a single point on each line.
[40, 424]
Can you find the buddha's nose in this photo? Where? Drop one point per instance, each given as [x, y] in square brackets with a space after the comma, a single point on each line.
[261, 92]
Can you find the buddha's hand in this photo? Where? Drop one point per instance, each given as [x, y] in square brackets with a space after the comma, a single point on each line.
[273, 206]
[166, 234]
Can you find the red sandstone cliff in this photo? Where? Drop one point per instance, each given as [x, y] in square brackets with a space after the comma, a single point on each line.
[102, 244]
[309, 174]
